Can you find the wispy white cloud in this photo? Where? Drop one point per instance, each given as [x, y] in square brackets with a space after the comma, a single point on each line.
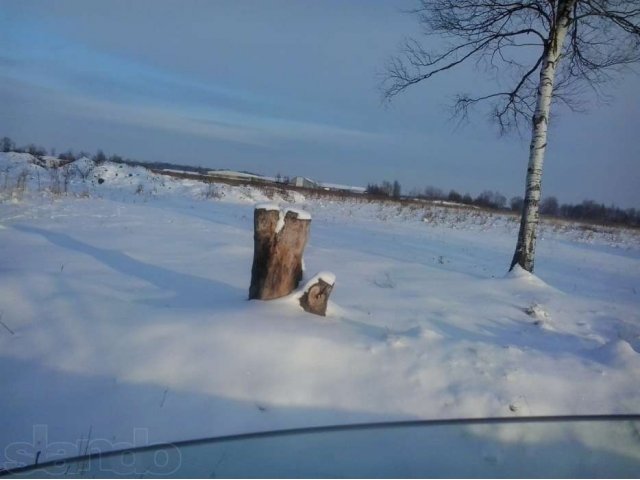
[217, 124]
[93, 84]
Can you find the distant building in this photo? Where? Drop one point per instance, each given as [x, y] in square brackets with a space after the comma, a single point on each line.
[343, 188]
[242, 176]
[304, 182]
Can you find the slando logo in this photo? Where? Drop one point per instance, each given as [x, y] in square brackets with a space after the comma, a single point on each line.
[89, 455]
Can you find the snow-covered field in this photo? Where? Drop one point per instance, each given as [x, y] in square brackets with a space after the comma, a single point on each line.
[123, 306]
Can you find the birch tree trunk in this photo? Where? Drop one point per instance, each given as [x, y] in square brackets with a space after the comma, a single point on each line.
[525, 248]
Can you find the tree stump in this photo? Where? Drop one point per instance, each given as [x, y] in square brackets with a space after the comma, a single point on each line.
[316, 293]
[278, 244]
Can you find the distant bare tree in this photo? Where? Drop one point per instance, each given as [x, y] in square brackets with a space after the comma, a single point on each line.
[99, 158]
[387, 188]
[546, 50]
[21, 183]
[35, 150]
[491, 199]
[397, 189]
[549, 206]
[68, 172]
[7, 145]
[67, 156]
[84, 170]
[454, 196]
[433, 193]
[516, 204]
[54, 180]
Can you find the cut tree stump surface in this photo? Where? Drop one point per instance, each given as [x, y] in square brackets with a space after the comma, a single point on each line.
[316, 294]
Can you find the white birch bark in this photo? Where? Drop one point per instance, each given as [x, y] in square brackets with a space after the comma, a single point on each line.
[525, 248]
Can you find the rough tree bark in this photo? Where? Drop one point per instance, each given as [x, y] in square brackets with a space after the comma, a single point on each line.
[279, 240]
[525, 247]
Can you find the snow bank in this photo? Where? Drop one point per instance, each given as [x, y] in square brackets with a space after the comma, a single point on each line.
[522, 276]
[302, 215]
[618, 353]
[280, 223]
[10, 162]
[267, 206]
[120, 181]
[327, 277]
[84, 164]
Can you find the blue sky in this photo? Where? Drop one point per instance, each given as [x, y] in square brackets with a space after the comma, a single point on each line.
[282, 86]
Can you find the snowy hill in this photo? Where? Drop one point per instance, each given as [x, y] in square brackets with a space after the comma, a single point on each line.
[123, 306]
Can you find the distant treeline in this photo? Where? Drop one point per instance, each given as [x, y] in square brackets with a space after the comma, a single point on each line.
[387, 189]
[587, 211]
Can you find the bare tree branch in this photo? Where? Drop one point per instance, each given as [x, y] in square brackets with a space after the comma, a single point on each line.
[604, 40]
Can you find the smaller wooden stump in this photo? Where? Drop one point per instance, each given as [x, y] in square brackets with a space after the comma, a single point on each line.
[316, 295]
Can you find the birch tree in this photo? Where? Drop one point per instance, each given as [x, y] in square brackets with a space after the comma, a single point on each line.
[545, 52]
